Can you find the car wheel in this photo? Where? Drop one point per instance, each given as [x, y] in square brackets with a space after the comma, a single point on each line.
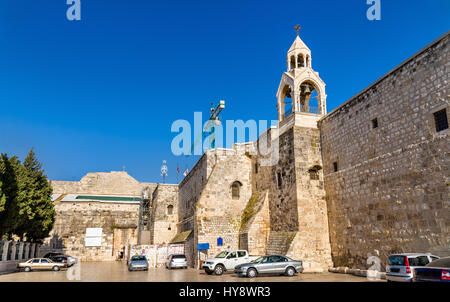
[27, 269]
[218, 270]
[290, 271]
[251, 273]
[55, 268]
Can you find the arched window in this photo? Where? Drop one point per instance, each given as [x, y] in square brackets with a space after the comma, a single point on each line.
[293, 62]
[309, 98]
[287, 101]
[300, 61]
[170, 210]
[235, 190]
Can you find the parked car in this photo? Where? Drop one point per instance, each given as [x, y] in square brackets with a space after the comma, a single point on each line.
[69, 260]
[436, 271]
[176, 261]
[274, 264]
[401, 267]
[138, 262]
[226, 260]
[40, 264]
[52, 254]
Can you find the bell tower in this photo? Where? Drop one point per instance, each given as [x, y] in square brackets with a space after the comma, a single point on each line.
[301, 90]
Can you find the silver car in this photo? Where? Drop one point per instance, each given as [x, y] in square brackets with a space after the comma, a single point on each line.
[138, 262]
[401, 266]
[176, 261]
[274, 264]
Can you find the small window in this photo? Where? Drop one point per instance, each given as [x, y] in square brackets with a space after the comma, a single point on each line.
[440, 120]
[335, 166]
[170, 210]
[280, 182]
[256, 168]
[374, 123]
[235, 190]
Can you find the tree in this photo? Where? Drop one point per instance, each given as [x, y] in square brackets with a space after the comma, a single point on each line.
[8, 205]
[35, 203]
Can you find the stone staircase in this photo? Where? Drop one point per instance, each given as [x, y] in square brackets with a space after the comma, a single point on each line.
[279, 242]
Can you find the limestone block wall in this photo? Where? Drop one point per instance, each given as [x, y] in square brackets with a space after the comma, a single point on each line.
[390, 193]
[164, 220]
[103, 183]
[118, 221]
[189, 192]
[218, 215]
[206, 205]
[311, 242]
[298, 210]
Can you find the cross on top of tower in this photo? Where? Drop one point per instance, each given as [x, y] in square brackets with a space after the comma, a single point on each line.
[297, 28]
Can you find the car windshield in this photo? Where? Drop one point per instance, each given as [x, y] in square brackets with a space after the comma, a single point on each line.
[257, 260]
[138, 258]
[222, 255]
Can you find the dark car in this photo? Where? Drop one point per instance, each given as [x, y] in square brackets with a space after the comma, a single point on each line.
[61, 258]
[52, 254]
[436, 271]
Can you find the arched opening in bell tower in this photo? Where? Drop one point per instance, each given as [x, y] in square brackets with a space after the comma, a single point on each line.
[300, 61]
[286, 99]
[309, 98]
[292, 63]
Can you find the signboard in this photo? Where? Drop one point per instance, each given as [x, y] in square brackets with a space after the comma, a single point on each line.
[93, 237]
[202, 246]
[219, 241]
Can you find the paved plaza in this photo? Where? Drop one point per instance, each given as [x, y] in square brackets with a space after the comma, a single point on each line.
[116, 271]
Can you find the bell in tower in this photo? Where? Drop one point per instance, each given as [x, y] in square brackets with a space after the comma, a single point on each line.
[301, 90]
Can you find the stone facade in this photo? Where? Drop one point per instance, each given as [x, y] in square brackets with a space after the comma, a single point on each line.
[390, 192]
[207, 205]
[110, 201]
[372, 176]
[164, 214]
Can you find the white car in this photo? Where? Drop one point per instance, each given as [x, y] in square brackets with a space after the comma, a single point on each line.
[226, 260]
[401, 266]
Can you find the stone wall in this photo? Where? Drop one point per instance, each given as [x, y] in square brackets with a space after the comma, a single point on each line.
[390, 193]
[103, 183]
[164, 218]
[206, 204]
[118, 221]
[190, 189]
[14, 252]
[298, 210]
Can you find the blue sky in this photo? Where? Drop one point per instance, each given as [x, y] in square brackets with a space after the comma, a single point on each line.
[101, 93]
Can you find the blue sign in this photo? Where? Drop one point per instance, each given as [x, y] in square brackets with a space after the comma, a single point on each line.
[202, 246]
[219, 241]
